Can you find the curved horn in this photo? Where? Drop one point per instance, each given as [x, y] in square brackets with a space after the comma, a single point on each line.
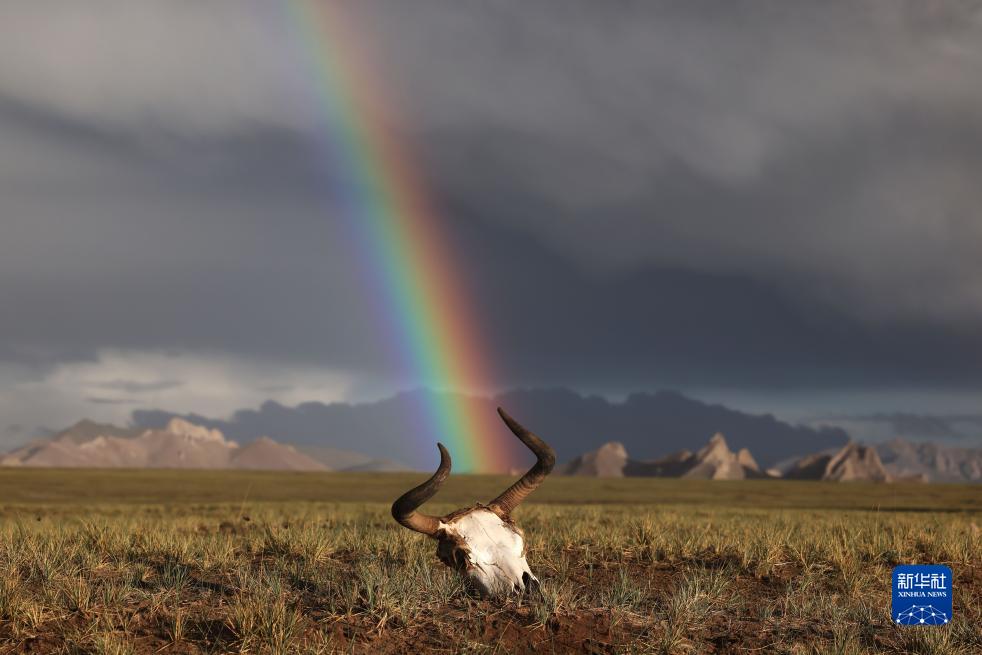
[404, 509]
[515, 494]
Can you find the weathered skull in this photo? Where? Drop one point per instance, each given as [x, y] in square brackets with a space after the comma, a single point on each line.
[481, 542]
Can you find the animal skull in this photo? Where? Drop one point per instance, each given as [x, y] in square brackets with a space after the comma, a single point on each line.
[481, 542]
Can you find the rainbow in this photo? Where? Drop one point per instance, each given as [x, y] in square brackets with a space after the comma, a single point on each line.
[387, 206]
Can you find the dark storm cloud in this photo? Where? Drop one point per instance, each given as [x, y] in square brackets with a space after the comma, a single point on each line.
[928, 426]
[832, 149]
[639, 193]
[551, 320]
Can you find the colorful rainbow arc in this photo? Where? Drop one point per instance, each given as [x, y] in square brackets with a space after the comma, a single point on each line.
[389, 208]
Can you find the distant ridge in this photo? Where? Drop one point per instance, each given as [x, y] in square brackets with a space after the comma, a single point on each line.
[648, 425]
[933, 461]
[715, 461]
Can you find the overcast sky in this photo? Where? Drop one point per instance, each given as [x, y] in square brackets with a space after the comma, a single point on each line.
[775, 204]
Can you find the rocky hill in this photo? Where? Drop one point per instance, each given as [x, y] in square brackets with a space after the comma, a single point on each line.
[854, 462]
[608, 461]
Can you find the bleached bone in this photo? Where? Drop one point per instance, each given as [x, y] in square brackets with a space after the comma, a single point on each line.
[481, 542]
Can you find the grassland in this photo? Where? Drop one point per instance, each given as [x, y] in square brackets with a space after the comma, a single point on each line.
[200, 562]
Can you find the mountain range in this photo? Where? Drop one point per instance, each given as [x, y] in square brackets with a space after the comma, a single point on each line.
[182, 444]
[664, 432]
[649, 425]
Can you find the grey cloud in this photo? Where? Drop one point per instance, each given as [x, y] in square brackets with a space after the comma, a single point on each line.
[111, 401]
[275, 388]
[135, 386]
[905, 424]
[176, 68]
[929, 426]
[591, 114]
[729, 193]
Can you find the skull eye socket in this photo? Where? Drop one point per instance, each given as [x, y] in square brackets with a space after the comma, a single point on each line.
[456, 559]
[453, 556]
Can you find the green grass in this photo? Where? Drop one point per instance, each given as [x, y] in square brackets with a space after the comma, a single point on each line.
[205, 562]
